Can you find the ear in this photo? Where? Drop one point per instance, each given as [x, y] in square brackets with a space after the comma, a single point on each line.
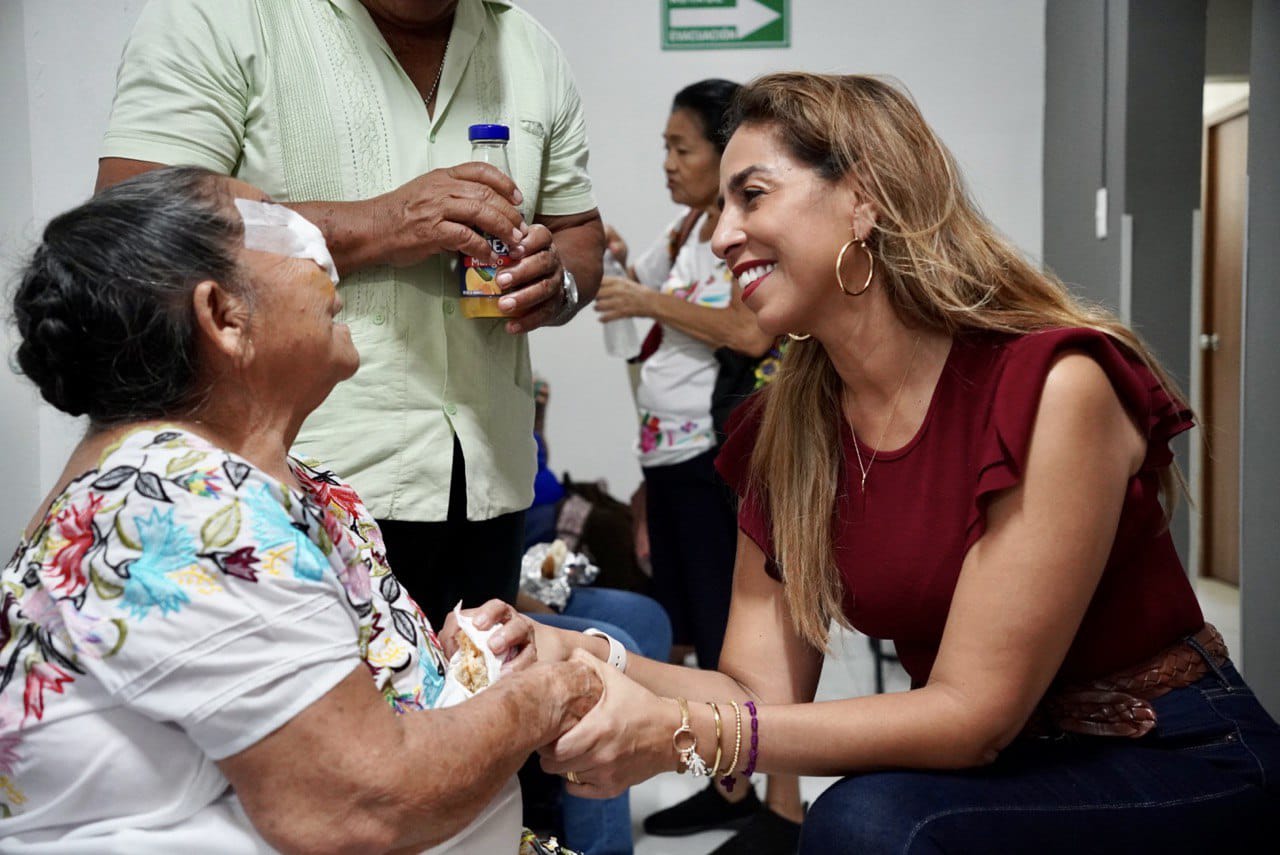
[865, 216]
[863, 212]
[222, 321]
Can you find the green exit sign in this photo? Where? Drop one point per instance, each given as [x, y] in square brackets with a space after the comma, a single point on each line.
[705, 24]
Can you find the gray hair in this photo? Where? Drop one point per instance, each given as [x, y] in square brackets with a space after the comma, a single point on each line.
[104, 307]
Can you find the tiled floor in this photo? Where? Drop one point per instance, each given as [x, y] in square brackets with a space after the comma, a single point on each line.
[849, 673]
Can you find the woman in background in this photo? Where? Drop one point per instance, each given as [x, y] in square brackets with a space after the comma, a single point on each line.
[690, 513]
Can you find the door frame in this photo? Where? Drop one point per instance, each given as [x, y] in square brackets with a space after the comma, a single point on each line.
[1197, 462]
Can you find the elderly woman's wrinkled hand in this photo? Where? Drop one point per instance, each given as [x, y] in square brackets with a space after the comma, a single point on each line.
[515, 643]
[624, 739]
[570, 690]
[621, 298]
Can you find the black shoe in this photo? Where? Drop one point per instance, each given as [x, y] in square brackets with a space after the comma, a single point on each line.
[766, 833]
[702, 812]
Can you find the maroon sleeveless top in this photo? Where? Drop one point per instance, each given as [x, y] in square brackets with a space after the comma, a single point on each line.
[900, 552]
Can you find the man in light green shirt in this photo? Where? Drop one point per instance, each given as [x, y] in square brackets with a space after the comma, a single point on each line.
[355, 114]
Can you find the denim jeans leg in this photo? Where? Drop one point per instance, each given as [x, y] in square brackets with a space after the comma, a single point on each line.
[1199, 783]
[580, 624]
[639, 616]
[598, 826]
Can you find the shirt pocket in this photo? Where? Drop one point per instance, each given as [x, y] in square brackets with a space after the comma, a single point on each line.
[530, 160]
[369, 304]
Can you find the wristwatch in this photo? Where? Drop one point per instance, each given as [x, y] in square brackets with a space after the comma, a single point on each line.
[571, 300]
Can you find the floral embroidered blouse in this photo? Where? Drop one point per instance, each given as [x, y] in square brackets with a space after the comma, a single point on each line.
[676, 382]
[175, 606]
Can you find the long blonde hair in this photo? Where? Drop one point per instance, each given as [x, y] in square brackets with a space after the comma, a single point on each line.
[944, 268]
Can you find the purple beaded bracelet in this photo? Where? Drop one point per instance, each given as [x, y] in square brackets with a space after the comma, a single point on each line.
[755, 742]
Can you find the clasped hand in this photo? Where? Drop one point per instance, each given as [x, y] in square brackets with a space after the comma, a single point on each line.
[609, 744]
[442, 210]
[515, 643]
[570, 688]
[623, 740]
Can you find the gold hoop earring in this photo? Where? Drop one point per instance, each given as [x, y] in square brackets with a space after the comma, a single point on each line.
[795, 337]
[871, 267]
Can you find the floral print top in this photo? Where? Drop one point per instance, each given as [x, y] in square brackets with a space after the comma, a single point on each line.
[175, 606]
[676, 382]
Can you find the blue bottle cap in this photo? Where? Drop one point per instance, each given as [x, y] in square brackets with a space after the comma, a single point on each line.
[488, 132]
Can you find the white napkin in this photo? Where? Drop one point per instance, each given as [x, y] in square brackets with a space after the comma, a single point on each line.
[454, 692]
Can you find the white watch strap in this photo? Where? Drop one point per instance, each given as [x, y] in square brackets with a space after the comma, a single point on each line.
[617, 653]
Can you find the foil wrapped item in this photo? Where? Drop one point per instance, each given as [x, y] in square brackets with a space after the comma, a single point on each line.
[549, 572]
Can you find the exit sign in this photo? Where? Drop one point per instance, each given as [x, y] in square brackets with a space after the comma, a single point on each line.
[708, 24]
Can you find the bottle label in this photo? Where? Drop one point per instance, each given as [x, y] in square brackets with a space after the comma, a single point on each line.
[479, 279]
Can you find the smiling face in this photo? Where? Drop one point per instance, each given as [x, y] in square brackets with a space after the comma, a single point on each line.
[692, 164]
[780, 230]
[297, 341]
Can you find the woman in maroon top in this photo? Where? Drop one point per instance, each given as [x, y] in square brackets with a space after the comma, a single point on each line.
[959, 456]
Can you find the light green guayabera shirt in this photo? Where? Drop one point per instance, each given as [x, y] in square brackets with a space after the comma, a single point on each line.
[304, 99]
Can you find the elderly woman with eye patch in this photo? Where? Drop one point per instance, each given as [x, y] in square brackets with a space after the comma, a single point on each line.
[202, 647]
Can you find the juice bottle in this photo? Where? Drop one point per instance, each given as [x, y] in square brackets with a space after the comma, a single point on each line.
[477, 279]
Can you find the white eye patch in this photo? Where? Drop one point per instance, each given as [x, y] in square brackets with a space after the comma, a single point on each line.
[274, 228]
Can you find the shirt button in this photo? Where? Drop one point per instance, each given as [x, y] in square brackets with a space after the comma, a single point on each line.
[451, 409]
[379, 319]
[448, 307]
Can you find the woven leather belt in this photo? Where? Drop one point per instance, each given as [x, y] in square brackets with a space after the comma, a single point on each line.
[1119, 704]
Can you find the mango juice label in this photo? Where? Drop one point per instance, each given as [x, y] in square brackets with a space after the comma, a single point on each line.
[479, 279]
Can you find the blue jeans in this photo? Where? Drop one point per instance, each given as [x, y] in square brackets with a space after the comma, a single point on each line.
[1207, 779]
[645, 625]
[603, 826]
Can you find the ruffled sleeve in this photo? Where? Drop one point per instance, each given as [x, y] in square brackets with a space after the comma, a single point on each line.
[1002, 448]
[734, 465]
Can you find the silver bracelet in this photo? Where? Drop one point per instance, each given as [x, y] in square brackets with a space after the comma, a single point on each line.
[617, 653]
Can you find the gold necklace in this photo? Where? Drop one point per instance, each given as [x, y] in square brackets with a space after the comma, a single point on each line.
[892, 412]
[435, 84]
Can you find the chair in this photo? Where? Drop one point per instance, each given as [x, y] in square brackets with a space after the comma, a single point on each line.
[881, 656]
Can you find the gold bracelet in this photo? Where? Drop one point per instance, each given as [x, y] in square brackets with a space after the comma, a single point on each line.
[688, 756]
[715, 767]
[737, 742]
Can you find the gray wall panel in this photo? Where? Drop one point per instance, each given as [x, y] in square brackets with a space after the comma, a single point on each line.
[1260, 457]
[1080, 107]
[1123, 83]
[1162, 183]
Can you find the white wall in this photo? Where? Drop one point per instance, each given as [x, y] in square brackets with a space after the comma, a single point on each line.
[73, 48]
[977, 70]
[19, 446]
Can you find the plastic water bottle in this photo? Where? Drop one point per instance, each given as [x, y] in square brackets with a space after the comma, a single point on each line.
[477, 279]
[620, 336]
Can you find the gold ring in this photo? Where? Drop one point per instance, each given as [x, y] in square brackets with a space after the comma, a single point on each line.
[573, 778]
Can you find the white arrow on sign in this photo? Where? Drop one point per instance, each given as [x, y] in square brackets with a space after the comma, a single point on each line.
[747, 17]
